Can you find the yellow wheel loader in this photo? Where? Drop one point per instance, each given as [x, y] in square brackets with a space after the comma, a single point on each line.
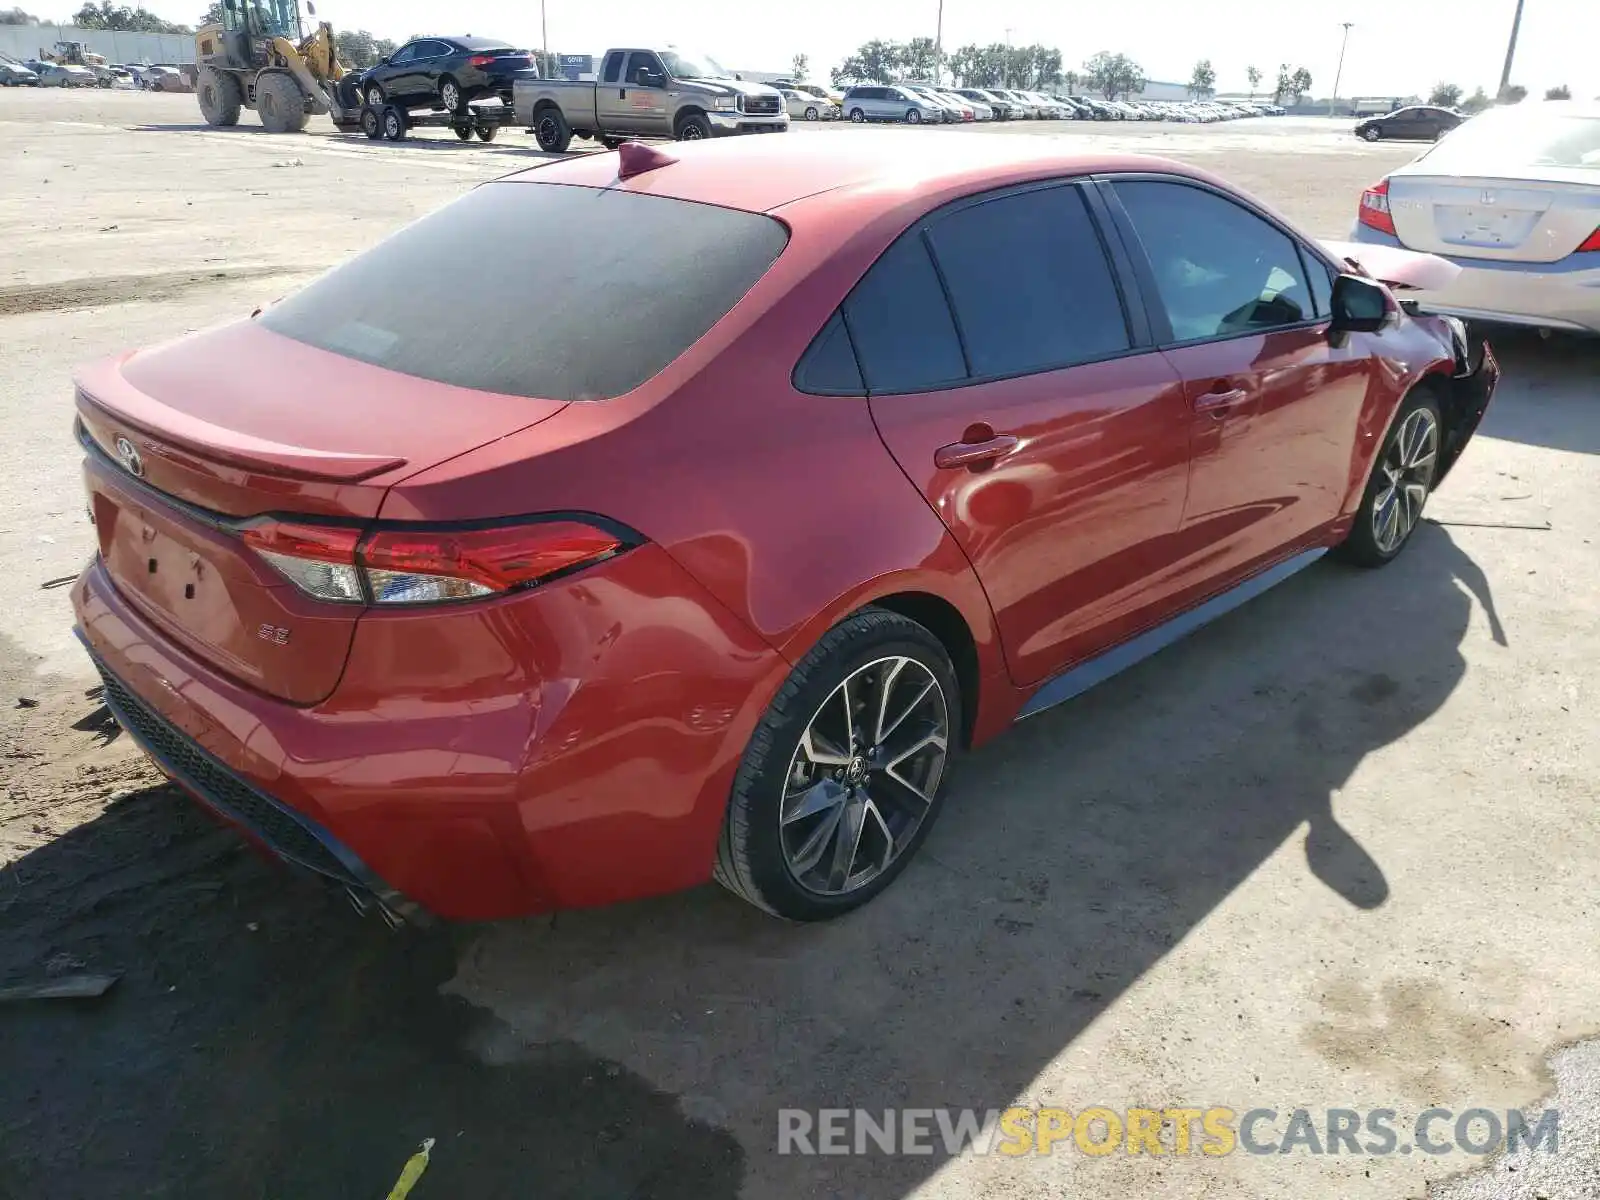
[259, 56]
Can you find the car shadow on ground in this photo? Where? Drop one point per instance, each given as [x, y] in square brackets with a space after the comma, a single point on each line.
[1552, 406]
[337, 137]
[264, 1041]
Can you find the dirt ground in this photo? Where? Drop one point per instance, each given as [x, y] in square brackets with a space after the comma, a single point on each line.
[1336, 850]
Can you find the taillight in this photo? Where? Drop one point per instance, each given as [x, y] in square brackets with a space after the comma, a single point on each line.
[1592, 244]
[480, 60]
[1374, 212]
[320, 560]
[396, 565]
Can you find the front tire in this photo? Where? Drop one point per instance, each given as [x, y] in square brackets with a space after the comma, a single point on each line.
[858, 116]
[913, 117]
[282, 107]
[463, 132]
[486, 133]
[376, 98]
[812, 114]
[841, 781]
[1372, 135]
[394, 124]
[220, 97]
[693, 128]
[450, 96]
[1402, 479]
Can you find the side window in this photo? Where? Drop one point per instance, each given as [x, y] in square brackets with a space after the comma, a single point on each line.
[1030, 283]
[1219, 268]
[829, 366]
[1321, 278]
[644, 59]
[435, 50]
[901, 324]
[405, 54]
[613, 67]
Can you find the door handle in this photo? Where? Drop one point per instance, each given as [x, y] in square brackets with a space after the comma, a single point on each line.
[1218, 402]
[974, 453]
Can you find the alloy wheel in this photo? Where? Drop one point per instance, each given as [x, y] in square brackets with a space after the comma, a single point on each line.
[1407, 466]
[864, 775]
[375, 97]
[451, 95]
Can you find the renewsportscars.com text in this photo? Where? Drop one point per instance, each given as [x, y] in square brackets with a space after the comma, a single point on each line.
[1098, 1131]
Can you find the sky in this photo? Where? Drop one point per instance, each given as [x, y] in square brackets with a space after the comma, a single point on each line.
[1395, 48]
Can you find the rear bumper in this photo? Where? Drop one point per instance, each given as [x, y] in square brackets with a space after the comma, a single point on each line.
[569, 746]
[1559, 295]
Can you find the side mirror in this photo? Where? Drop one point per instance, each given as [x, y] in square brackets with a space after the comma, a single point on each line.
[645, 77]
[1359, 305]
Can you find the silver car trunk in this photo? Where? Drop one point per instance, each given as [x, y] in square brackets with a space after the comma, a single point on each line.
[1534, 220]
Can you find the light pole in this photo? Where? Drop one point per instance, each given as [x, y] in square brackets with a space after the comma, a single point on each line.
[544, 36]
[938, 46]
[1339, 74]
[1511, 52]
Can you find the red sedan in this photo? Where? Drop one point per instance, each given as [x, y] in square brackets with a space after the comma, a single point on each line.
[744, 487]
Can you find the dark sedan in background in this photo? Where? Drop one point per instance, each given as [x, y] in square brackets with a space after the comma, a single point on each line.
[449, 72]
[1418, 123]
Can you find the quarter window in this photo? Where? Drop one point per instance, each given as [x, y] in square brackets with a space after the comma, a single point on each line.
[1219, 269]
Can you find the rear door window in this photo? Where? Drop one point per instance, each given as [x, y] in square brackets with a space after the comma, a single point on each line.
[901, 324]
[564, 293]
[1030, 283]
[613, 67]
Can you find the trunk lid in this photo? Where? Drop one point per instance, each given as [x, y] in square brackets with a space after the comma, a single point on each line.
[1503, 217]
[189, 441]
[505, 64]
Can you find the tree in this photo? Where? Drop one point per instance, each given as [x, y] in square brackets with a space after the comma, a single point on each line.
[919, 60]
[1513, 94]
[1018, 70]
[1445, 95]
[1253, 74]
[798, 66]
[124, 19]
[1477, 102]
[876, 61]
[359, 48]
[1563, 92]
[1204, 80]
[1281, 92]
[15, 16]
[213, 15]
[1300, 83]
[1046, 68]
[1113, 75]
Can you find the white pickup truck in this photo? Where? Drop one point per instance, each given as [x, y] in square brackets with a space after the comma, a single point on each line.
[647, 93]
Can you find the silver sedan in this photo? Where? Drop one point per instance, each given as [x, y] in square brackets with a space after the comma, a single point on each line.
[1513, 198]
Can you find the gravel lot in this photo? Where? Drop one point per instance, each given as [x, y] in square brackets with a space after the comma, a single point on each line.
[1338, 850]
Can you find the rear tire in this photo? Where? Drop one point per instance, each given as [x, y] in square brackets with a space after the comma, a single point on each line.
[913, 117]
[1402, 478]
[394, 124]
[486, 133]
[220, 97]
[800, 748]
[371, 123]
[282, 107]
[464, 132]
[858, 116]
[551, 131]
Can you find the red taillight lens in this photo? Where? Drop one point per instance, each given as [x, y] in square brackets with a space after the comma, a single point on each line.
[1592, 244]
[422, 566]
[480, 60]
[320, 560]
[1374, 212]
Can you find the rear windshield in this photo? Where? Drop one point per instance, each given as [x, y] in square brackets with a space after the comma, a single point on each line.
[559, 292]
[1521, 137]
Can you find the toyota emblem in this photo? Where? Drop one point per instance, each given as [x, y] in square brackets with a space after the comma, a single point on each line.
[128, 456]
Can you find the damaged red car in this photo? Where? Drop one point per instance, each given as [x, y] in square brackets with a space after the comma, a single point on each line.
[749, 485]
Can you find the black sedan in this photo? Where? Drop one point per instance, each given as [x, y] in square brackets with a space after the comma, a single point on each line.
[444, 72]
[1419, 123]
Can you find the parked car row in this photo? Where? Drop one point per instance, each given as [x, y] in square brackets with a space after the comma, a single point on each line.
[920, 103]
[35, 72]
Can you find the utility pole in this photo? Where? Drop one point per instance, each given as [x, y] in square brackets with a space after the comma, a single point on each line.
[1339, 74]
[938, 47]
[1511, 52]
[544, 37]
